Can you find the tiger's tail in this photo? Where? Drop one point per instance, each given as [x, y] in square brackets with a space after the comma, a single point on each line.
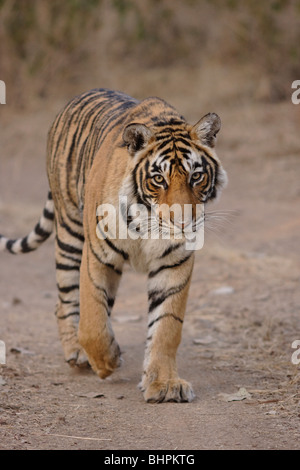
[36, 237]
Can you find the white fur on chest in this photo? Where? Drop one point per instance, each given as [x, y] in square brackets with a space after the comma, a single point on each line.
[145, 254]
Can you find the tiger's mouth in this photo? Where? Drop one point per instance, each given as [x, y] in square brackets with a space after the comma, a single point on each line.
[178, 224]
[180, 228]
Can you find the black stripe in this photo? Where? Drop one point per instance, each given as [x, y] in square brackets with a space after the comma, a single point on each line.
[25, 247]
[183, 140]
[68, 248]
[67, 289]
[109, 300]
[173, 121]
[99, 289]
[115, 117]
[164, 316]
[67, 267]
[138, 192]
[48, 215]
[80, 159]
[117, 250]
[109, 265]
[75, 304]
[164, 143]
[156, 298]
[165, 155]
[77, 235]
[170, 249]
[181, 149]
[76, 222]
[112, 246]
[169, 266]
[71, 258]
[9, 245]
[63, 317]
[69, 166]
[41, 232]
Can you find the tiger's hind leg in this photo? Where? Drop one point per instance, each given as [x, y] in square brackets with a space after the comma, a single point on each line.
[69, 242]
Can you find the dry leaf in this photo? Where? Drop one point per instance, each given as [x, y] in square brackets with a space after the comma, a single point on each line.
[17, 350]
[91, 395]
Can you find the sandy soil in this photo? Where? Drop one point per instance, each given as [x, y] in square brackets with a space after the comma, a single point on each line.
[238, 339]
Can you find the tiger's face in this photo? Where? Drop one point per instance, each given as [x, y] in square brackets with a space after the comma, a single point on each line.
[175, 170]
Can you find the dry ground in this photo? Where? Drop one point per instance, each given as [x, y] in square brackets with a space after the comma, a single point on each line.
[241, 338]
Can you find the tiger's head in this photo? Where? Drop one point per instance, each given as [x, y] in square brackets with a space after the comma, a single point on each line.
[174, 169]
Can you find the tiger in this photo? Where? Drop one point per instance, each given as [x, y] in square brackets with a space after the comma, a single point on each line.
[105, 145]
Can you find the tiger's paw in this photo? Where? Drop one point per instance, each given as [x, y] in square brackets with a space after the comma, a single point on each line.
[172, 390]
[76, 357]
[107, 362]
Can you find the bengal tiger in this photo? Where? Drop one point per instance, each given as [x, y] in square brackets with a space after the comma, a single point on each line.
[101, 146]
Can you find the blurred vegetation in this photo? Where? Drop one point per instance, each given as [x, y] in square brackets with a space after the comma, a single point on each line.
[46, 43]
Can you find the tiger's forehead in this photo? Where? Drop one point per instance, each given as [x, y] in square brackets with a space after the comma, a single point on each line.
[183, 160]
[175, 150]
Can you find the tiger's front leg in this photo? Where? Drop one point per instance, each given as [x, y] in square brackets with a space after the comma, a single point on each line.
[99, 281]
[167, 291]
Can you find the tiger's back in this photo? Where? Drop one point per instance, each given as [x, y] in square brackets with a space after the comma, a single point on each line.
[76, 134]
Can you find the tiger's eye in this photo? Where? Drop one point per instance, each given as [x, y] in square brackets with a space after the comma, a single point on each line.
[158, 179]
[196, 176]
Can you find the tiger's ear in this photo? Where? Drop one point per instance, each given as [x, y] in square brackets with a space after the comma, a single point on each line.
[136, 137]
[207, 129]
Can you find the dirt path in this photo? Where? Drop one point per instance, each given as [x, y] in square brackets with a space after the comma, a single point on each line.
[240, 338]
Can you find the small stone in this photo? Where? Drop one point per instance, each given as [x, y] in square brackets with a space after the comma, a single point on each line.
[2, 381]
[128, 319]
[224, 290]
[206, 340]
[272, 412]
